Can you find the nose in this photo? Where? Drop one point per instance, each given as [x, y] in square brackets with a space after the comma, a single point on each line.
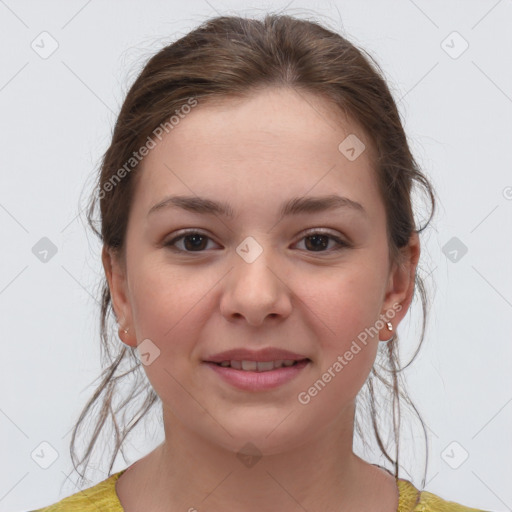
[256, 290]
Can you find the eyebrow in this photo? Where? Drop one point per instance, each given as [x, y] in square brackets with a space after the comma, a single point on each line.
[294, 206]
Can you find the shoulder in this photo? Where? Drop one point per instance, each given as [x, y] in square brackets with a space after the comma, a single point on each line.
[413, 500]
[101, 496]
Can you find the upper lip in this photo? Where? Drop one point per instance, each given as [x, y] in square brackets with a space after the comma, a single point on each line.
[243, 354]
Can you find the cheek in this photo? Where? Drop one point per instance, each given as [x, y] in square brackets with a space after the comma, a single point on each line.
[346, 303]
[165, 310]
[165, 303]
[346, 350]
[346, 310]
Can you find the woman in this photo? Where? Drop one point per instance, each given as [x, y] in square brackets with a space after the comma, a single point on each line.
[259, 243]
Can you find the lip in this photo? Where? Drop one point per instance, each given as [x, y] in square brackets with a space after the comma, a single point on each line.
[243, 354]
[258, 381]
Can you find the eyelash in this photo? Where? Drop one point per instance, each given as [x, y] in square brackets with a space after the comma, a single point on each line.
[341, 244]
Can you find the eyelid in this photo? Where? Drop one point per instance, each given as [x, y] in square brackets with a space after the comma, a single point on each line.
[323, 231]
[186, 231]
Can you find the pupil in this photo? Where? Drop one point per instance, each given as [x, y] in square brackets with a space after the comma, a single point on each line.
[321, 245]
[198, 238]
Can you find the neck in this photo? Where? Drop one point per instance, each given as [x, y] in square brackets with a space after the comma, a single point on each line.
[189, 472]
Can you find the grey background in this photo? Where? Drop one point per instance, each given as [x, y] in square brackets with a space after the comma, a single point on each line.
[57, 114]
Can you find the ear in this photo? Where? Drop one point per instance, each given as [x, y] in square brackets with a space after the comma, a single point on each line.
[116, 276]
[400, 287]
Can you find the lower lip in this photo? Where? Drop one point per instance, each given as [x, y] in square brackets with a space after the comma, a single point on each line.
[258, 381]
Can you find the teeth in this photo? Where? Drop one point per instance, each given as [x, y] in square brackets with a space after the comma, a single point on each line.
[237, 365]
[249, 365]
[260, 366]
[265, 367]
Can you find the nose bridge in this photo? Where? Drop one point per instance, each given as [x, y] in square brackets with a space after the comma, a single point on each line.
[254, 289]
[255, 261]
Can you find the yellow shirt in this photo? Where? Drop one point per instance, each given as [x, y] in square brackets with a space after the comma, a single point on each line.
[102, 497]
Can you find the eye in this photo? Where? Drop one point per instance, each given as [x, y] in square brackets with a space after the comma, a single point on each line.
[317, 240]
[194, 241]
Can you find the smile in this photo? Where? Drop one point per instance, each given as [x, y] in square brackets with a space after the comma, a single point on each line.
[258, 366]
[258, 375]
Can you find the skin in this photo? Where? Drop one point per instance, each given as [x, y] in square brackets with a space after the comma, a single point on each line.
[255, 154]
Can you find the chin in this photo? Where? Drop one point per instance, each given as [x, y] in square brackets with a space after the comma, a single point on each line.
[269, 437]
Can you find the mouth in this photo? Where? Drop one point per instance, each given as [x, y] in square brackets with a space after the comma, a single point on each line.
[258, 376]
[259, 366]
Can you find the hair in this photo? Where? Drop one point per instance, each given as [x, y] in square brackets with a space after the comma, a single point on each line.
[229, 57]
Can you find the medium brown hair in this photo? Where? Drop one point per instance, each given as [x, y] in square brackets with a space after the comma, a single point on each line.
[228, 57]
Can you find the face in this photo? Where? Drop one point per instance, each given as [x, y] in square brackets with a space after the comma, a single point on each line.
[309, 282]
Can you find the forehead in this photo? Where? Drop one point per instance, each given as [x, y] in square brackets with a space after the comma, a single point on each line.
[278, 118]
[275, 142]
